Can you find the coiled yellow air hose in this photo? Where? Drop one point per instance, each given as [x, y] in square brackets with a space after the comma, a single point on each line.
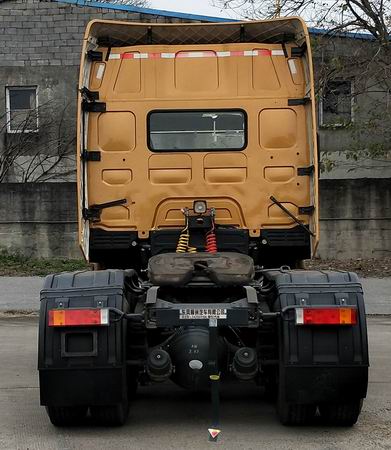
[184, 238]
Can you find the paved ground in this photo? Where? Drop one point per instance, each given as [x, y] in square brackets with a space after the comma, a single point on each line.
[165, 417]
[22, 294]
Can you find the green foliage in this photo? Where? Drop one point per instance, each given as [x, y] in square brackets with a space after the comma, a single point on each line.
[327, 162]
[13, 264]
[370, 140]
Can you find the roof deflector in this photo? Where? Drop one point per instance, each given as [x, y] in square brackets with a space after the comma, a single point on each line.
[116, 34]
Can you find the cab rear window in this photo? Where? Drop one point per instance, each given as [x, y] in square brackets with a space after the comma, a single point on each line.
[197, 130]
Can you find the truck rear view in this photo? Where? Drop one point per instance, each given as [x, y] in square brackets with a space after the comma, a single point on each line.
[197, 177]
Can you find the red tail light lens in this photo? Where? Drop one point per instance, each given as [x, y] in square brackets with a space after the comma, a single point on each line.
[78, 317]
[326, 316]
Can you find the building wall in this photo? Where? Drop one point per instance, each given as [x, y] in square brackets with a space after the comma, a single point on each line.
[42, 219]
[40, 45]
[45, 33]
[342, 58]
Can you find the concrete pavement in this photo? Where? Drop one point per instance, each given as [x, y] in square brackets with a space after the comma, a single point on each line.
[167, 417]
[377, 295]
[22, 294]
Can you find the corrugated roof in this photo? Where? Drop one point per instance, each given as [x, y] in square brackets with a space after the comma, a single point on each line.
[346, 34]
[195, 17]
[137, 9]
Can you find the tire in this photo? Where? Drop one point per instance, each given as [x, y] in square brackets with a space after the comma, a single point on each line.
[61, 416]
[341, 414]
[110, 415]
[295, 413]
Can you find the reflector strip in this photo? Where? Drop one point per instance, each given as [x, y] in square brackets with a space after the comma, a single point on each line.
[100, 72]
[223, 54]
[278, 53]
[198, 54]
[195, 55]
[326, 316]
[299, 316]
[168, 55]
[78, 317]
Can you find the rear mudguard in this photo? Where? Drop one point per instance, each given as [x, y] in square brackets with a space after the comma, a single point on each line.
[320, 363]
[82, 365]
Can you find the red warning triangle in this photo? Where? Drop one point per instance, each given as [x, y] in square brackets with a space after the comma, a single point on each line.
[214, 432]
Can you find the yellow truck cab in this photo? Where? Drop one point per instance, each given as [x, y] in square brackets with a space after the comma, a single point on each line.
[210, 112]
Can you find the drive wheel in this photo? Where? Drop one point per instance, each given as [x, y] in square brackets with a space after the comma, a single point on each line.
[295, 413]
[341, 414]
[110, 415]
[61, 416]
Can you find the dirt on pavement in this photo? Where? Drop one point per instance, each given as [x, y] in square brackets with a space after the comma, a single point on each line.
[364, 267]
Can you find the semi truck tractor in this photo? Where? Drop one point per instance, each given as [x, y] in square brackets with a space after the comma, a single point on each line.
[197, 171]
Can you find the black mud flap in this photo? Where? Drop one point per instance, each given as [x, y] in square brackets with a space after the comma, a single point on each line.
[82, 365]
[320, 363]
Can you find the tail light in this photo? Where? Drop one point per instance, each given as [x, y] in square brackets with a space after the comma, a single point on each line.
[326, 316]
[78, 317]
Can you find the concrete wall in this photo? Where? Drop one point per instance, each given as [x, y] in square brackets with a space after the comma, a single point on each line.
[39, 219]
[355, 218]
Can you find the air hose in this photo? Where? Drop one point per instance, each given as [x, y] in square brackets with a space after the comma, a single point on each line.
[183, 245]
[211, 241]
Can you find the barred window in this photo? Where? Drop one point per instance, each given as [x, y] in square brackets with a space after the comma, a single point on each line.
[22, 109]
[336, 103]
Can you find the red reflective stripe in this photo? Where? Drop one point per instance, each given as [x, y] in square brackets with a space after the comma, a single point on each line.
[127, 55]
[237, 53]
[74, 317]
[264, 52]
[154, 55]
[209, 54]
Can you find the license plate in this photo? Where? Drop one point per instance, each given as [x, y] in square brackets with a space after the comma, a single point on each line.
[202, 313]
